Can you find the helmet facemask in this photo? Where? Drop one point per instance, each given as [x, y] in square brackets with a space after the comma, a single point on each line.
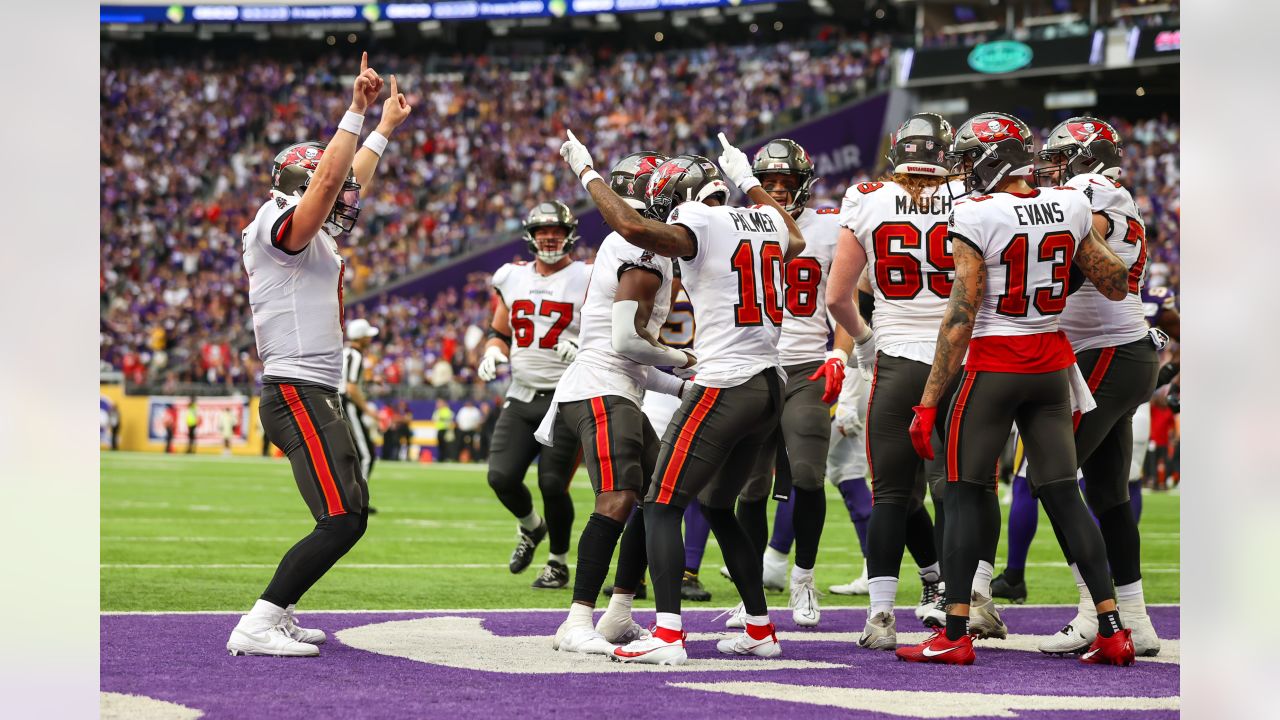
[550, 251]
[346, 209]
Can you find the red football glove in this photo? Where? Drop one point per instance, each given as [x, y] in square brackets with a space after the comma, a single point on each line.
[922, 430]
[833, 372]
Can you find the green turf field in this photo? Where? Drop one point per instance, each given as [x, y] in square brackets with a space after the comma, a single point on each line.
[205, 533]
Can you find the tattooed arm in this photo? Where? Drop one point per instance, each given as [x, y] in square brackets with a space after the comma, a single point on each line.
[1101, 265]
[668, 240]
[957, 324]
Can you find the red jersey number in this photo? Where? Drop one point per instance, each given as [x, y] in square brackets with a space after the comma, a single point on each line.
[523, 329]
[753, 273]
[899, 274]
[1135, 234]
[803, 276]
[1056, 248]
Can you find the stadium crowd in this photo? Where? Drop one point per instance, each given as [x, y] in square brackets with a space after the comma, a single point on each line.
[186, 146]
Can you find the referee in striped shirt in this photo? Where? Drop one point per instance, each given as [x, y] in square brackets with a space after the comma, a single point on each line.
[359, 335]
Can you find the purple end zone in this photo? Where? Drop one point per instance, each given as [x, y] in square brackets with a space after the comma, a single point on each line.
[182, 659]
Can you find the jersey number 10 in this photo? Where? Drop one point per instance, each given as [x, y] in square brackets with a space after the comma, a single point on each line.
[753, 274]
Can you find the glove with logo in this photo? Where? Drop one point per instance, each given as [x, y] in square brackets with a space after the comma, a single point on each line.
[689, 370]
[736, 166]
[922, 430]
[566, 350]
[832, 371]
[488, 369]
[848, 421]
[576, 154]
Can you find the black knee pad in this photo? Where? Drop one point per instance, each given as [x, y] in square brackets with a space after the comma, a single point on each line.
[552, 485]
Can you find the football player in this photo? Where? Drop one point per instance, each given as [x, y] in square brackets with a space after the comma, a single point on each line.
[786, 173]
[599, 399]
[731, 264]
[295, 293]
[897, 230]
[536, 315]
[1014, 246]
[1119, 354]
[354, 406]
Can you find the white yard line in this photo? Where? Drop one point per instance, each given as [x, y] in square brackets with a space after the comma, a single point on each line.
[306, 611]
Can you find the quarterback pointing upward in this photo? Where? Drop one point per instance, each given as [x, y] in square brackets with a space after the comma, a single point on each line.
[295, 293]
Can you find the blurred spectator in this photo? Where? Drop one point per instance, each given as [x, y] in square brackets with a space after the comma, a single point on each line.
[227, 425]
[469, 422]
[170, 423]
[113, 423]
[443, 419]
[490, 412]
[193, 422]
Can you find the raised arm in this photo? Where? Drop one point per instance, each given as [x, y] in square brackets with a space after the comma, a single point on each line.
[737, 168]
[394, 111]
[1098, 263]
[331, 173]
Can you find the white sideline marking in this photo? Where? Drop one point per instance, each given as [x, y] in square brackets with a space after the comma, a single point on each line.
[916, 703]
[462, 642]
[357, 611]
[270, 566]
[122, 706]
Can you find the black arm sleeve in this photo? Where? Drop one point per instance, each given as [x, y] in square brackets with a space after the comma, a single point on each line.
[493, 333]
[866, 303]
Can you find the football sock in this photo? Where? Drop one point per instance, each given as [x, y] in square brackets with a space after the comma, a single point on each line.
[957, 626]
[620, 603]
[562, 558]
[1086, 600]
[811, 509]
[740, 556]
[1124, 543]
[1109, 623]
[857, 500]
[696, 531]
[1130, 598]
[531, 521]
[801, 576]
[982, 579]
[669, 621]
[595, 550]
[1024, 515]
[887, 535]
[1063, 503]
[580, 614]
[784, 532]
[1135, 499]
[666, 554]
[967, 513]
[308, 560]
[754, 518]
[931, 573]
[558, 509]
[884, 591]
[759, 628]
[266, 612]
[919, 538]
[632, 558]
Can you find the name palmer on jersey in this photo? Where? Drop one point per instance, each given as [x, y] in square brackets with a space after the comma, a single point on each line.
[909, 261]
[544, 310]
[1091, 320]
[737, 330]
[295, 297]
[598, 369]
[804, 319]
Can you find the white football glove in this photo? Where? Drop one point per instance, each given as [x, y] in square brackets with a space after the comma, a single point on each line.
[576, 154]
[566, 350]
[736, 166]
[848, 420]
[686, 373]
[488, 369]
[865, 351]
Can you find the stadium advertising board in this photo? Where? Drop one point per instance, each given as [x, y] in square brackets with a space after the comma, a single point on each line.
[1155, 42]
[1004, 56]
[209, 411]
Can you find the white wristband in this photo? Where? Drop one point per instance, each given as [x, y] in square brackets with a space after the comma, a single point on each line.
[751, 182]
[352, 122]
[838, 354]
[377, 142]
[591, 175]
[865, 336]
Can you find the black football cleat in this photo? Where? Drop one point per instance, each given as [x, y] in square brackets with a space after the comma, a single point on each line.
[523, 554]
[1002, 588]
[553, 577]
[691, 588]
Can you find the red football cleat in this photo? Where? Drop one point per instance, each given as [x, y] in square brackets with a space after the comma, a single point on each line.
[1114, 650]
[938, 649]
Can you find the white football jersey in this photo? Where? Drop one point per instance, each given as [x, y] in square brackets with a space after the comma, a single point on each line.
[296, 298]
[1028, 243]
[804, 313]
[544, 310]
[735, 281]
[909, 262]
[1091, 320]
[598, 370]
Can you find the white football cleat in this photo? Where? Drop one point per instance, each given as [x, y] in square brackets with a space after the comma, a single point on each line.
[582, 639]
[737, 617]
[1074, 638]
[744, 644]
[931, 612]
[303, 635]
[984, 619]
[652, 650]
[1145, 641]
[248, 639]
[620, 629]
[775, 570]
[880, 632]
[724, 573]
[857, 587]
[804, 603]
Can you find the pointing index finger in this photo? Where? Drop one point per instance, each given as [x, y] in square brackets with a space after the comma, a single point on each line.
[364, 61]
[572, 137]
[395, 90]
[724, 140]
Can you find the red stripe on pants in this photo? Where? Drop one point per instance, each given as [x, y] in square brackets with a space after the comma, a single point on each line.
[953, 436]
[602, 444]
[684, 438]
[315, 451]
[1095, 379]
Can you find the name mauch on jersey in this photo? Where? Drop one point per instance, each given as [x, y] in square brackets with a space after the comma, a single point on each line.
[935, 204]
